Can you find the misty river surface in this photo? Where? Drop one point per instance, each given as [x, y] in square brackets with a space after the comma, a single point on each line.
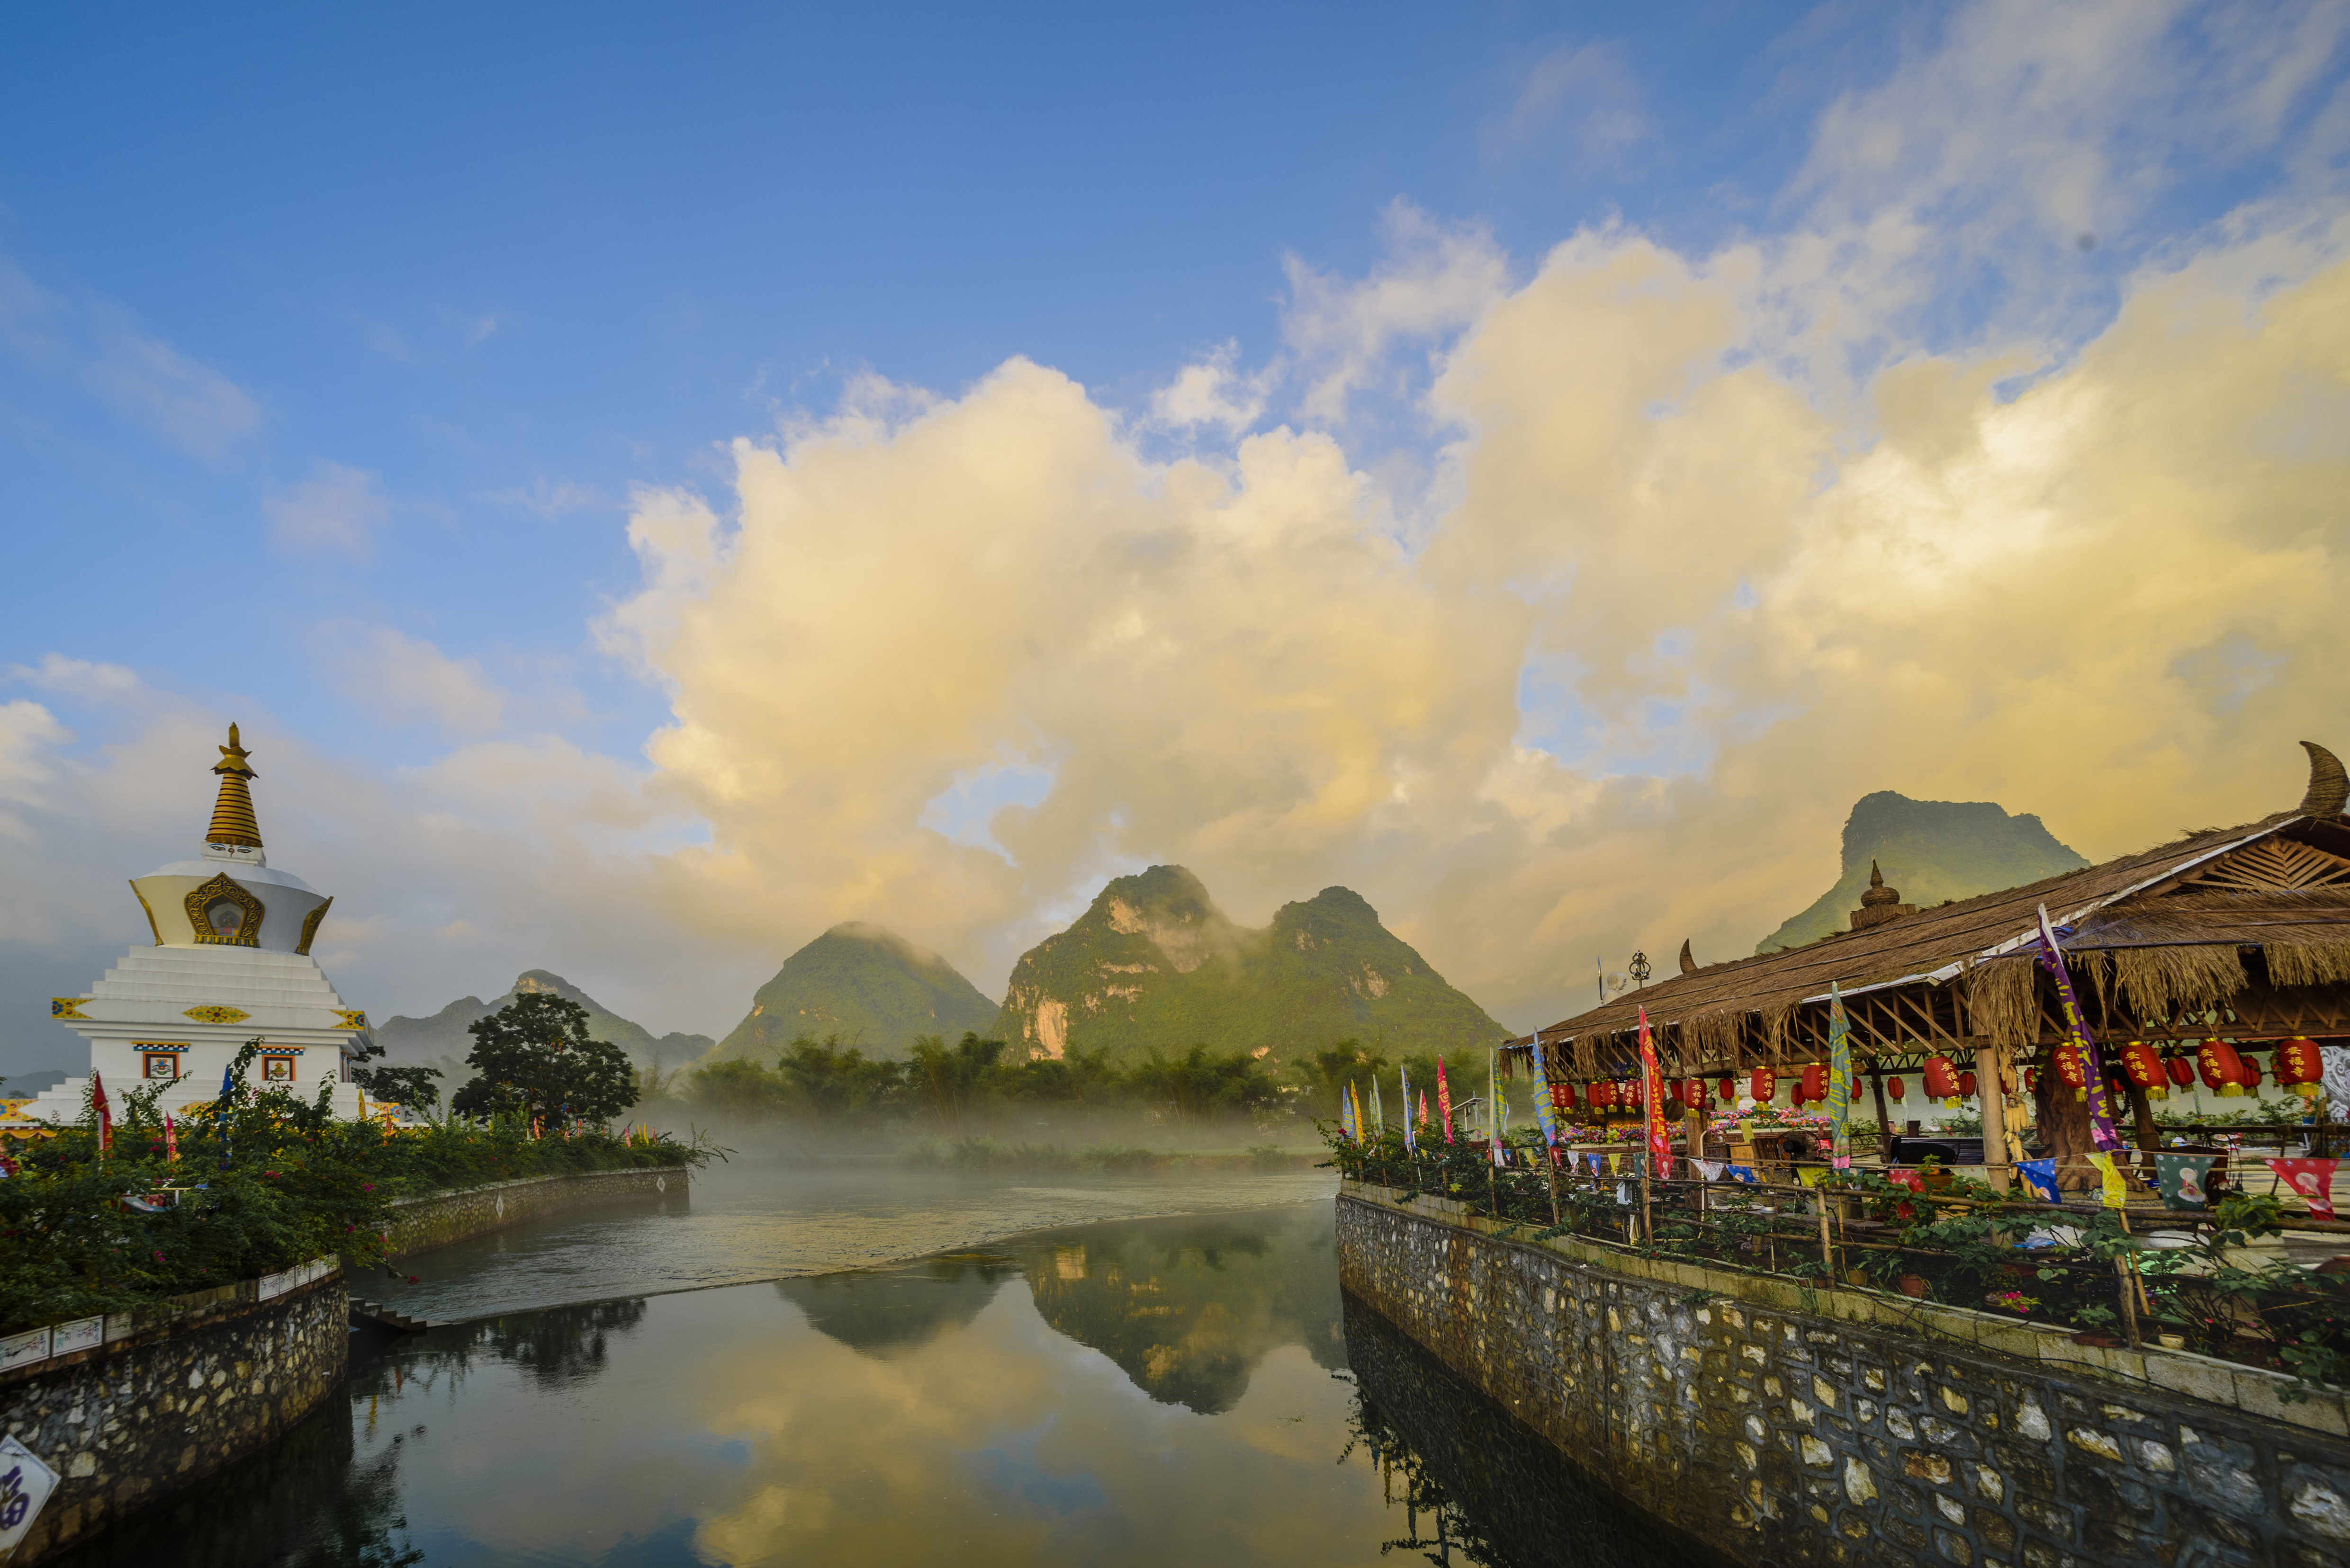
[1179, 1389]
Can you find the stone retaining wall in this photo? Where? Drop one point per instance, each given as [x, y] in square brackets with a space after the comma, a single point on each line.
[419, 1223]
[1786, 1426]
[171, 1395]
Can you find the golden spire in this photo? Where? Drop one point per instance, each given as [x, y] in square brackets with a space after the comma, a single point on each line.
[232, 820]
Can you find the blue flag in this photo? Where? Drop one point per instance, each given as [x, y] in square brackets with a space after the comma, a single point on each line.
[1410, 1143]
[1542, 1098]
[220, 1109]
[2040, 1175]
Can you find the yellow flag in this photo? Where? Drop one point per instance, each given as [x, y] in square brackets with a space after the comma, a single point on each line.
[1615, 1164]
[1812, 1174]
[2116, 1190]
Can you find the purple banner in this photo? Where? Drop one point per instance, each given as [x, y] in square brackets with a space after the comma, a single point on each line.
[2080, 1041]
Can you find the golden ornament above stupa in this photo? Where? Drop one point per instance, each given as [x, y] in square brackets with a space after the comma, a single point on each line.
[233, 819]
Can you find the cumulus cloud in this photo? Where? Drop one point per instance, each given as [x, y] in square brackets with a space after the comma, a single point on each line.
[337, 508]
[1431, 280]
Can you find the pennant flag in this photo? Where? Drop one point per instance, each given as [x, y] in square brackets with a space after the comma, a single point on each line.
[1839, 1079]
[1347, 1109]
[220, 1108]
[1443, 1100]
[2311, 1181]
[170, 1141]
[2179, 1178]
[1710, 1169]
[105, 1116]
[1595, 1162]
[2040, 1175]
[1494, 1112]
[1378, 1108]
[2083, 1044]
[2112, 1188]
[1744, 1173]
[1410, 1143]
[1653, 1087]
[1615, 1164]
[1543, 1116]
[1914, 1180]
[1810, 1175]
[1424, 1107]
[1624, 1194]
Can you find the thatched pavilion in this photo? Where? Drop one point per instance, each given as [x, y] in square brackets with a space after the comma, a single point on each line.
[2236, 933]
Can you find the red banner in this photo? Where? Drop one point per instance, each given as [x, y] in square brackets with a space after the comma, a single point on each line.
[2311, 1181]
[1653, 1085]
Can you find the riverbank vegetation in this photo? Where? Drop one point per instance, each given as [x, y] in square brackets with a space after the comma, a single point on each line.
[975, 1086]
[93, 1223]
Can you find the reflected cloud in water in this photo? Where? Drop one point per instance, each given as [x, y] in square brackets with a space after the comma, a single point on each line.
[1165, 1391]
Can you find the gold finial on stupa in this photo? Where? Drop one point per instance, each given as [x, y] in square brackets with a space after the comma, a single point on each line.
[232, 820]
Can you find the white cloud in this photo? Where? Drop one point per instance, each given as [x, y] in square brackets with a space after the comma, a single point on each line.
[403, 680]
[1212, 393]
[1579, 106]
[1433, 280]
[337, 508]
[550, 499]
[100, 346]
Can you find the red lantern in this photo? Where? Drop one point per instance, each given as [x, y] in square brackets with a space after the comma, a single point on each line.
[2070, 1073]
[1796, 1095]
[1815, 1082]
[1727, 1088]
[1763, 1086]
[2252, 1071]
[1603, 1096]
[2298, 1060]
[2182, 1071]
[2031, 1080]
[2144, 1067]
[1967, 1083]
[1693, 1094]
[2222, 1069]
[1893, 1087]
[1562, 1096]
[1942, 1079]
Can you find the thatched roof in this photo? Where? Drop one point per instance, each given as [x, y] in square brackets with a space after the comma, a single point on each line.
[2144, 923]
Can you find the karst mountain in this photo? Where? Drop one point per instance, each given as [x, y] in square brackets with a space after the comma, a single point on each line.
[1932, 851]
[1155, 964]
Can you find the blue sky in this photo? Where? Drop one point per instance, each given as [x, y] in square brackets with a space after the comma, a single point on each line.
[338, 352]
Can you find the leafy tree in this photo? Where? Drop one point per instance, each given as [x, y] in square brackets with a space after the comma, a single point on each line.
[949, 1078]
[1199, 1083]
[1327, 1071]
[824, 1080]
[534, 1057]
[412, 1088]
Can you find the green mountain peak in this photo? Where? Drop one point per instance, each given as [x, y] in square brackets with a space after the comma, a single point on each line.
[866, 984]
[1932, 851]
[1154, 964]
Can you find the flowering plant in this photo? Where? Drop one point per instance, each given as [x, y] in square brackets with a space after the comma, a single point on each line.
[2015, 1301]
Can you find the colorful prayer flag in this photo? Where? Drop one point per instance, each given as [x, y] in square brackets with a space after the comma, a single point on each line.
[1410, 1143]
[170, 1141]
[2080, 1041]
[1839, 1081]
[2311, 1181]
[2112, 1188]
[1744, 1173]
[1443, 1100]
[1653, 1087]
[1709, 1168]
[1542, 1117]
[2040, 1175]
[2179, 1177]
[1378, 1108]
[105, 1116]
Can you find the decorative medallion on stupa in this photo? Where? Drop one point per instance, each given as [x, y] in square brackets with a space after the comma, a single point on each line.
[231, 963]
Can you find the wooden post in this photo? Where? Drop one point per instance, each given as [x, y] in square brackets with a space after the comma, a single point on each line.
[1884, 1118]
[1992, 1096]
[1550, 1169]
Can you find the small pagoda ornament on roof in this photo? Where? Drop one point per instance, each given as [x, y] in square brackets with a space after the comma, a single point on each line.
[234, 833]
[1880, 905]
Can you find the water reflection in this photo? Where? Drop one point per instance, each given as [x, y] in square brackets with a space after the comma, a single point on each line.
[1169, 1391]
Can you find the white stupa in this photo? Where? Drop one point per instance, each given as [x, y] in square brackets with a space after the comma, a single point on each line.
[231, 963]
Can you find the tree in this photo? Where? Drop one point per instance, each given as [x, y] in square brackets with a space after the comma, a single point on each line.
[535, 1055]
[949, 1078]
[410, 1088]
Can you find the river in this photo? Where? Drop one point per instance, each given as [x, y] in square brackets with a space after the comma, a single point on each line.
[1136, 1371]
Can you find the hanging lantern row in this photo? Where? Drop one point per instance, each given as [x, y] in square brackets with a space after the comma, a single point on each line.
[2297, 1064]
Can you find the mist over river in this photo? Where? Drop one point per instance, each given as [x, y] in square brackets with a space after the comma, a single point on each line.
[860, 1366]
